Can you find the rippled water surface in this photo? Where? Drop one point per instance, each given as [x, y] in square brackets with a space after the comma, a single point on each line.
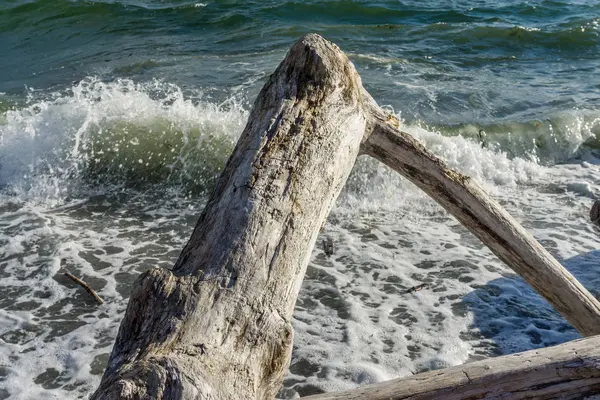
[116, 117]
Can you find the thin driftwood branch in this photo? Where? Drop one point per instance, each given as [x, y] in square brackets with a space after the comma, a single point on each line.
[567, 371]
[84, 285]
[470, 204]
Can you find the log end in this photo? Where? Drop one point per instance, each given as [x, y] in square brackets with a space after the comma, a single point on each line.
[318, 67]
[595, 213]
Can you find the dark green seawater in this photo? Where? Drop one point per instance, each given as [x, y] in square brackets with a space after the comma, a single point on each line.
[116, 117]
[446, 61]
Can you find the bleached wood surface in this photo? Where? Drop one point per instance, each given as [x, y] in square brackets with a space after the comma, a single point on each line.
[217, 326]
[567, 371]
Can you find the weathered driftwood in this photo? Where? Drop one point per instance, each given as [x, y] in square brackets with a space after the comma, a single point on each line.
[567, 371]
[218, 325]
[484, 217]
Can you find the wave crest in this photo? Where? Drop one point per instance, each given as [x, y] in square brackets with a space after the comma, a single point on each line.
[117, 132]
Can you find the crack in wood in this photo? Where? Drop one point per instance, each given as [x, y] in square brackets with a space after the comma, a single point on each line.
[467, 375]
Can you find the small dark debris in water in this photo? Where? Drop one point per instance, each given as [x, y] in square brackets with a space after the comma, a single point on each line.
[595, 213]
[84, 285]
[328, 246]
[416, 288]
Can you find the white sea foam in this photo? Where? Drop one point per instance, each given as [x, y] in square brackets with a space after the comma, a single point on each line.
[50, 143]
[355, 322]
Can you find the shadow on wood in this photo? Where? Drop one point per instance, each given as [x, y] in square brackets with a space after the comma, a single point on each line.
[217, 326]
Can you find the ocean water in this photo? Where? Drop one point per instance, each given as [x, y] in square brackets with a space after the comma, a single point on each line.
[116, 117]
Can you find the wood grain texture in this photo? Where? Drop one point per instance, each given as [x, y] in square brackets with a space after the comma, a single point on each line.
[218, 325]
[567, 371]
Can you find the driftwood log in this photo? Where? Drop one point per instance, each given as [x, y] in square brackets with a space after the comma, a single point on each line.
[217, 326]
[567, 371]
